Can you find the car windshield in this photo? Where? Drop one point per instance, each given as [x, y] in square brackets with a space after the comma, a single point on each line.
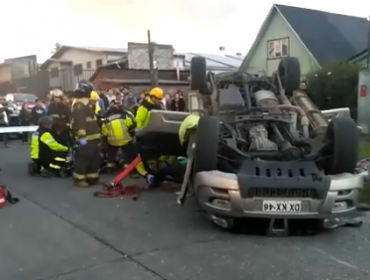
[25, 98]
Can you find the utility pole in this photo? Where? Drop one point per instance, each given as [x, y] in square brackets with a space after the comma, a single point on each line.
[368, 44]
[151, 61]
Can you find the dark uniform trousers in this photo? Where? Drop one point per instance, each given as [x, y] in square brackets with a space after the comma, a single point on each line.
[87, 157]
[129, 153]
[87, 162]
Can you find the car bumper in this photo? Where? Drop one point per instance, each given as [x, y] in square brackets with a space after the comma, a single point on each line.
[218, 193]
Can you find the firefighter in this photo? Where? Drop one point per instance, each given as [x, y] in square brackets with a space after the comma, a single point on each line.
[119, 130]
[86, 132]
[61, 114]
[152, 102]
[47, 154]
[94, 99]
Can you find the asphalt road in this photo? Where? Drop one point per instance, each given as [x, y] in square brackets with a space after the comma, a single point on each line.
[60, 232]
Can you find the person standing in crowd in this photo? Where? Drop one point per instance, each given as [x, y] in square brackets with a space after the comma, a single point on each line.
[110, 96]
[130, 100]
[177, 103]
[141, 98]
[103, 101]
[37, 112]
[4, 122]
[86, 131]
[24, 119]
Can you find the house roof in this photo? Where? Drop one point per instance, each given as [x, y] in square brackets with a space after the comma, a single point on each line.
[329, 37]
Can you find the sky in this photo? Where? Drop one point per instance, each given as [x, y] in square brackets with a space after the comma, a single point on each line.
[34, 26]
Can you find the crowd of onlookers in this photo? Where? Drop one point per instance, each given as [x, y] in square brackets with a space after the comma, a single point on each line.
[173, 100]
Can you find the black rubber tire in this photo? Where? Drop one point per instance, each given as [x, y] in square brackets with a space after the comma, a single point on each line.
[198, 72]
[344, 136]
[31, 169]
[289, 71]
[206, 150]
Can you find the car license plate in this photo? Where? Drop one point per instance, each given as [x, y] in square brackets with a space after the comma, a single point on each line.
[281, 206]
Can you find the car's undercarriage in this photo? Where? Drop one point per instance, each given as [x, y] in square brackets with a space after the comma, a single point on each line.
[269, 118]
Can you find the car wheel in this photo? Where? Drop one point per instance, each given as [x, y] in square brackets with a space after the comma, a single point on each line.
[342, 134]
[289, 71]
[31, 169]
[198, 70]
[206, 147]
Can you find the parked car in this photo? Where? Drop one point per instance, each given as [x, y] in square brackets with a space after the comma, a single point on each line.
[20, 98]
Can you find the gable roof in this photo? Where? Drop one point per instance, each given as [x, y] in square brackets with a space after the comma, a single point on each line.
[327, 37]
[64, 48]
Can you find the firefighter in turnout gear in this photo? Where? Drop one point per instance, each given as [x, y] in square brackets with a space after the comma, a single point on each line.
[152, 102]
[119, 131]
[47, 154]
[94, 99]
[61, 114]
[86, 132]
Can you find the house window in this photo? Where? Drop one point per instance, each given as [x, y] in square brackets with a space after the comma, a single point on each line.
[88, 65]
[54, 72]
[77, 69]
[278, 48]
[99, 62]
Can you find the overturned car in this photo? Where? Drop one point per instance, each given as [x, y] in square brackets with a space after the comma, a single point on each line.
[259, 148]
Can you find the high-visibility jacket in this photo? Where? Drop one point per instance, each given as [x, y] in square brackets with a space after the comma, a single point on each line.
[143, 112]
[119, 128]
[97, 108]
[43, 143]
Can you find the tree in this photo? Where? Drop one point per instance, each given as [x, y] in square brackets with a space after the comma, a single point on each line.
[57, 46]
[334, 86]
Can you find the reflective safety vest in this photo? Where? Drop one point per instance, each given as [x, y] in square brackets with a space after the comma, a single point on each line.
[116, 129]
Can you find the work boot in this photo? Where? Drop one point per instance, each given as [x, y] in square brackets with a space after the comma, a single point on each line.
[63, 173]
[46, 173]
[111, 170]
[93, 182]
[81, 184]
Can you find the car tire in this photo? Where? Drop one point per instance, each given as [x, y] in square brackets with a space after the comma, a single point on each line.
[198, 72]
[31, 169]
[206, 147]
[289, 71]
[343, 134]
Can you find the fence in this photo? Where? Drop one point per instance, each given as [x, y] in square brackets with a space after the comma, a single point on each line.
[67, 79]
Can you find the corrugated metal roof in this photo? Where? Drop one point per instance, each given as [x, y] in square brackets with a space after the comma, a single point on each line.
[214, 60]
[100, 49]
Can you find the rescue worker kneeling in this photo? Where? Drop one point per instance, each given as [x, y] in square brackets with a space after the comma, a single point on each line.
[119, 131]
[48, 155]
[169, 168]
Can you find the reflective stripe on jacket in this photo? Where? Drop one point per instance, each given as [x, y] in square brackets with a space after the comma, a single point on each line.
[43, 142]
[143, 112]
[118, 128]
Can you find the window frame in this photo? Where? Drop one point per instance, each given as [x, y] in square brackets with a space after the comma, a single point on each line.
[77, 69]
[98, 64]
[277, 46]
[88, 65]
[54, 72]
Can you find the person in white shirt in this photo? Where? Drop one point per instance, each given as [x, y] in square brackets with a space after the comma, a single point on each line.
[4, 121]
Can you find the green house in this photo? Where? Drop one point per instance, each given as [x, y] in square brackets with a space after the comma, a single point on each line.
[317, 38]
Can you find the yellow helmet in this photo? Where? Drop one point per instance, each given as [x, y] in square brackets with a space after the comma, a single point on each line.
[94, 96]
[156, 92]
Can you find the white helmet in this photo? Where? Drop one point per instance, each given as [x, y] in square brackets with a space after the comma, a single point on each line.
[56, 93]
